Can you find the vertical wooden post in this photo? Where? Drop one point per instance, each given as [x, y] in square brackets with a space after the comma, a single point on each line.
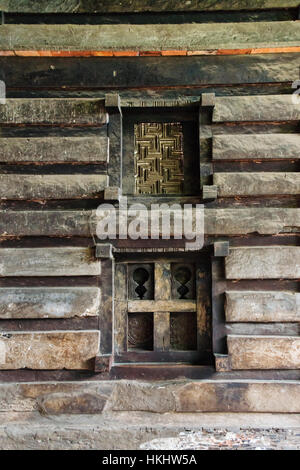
[161, 320]
[120, 309]
[218, 315]
[115, 134]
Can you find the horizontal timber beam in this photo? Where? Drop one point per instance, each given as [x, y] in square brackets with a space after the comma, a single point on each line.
[54, 149]
[48, 350]
[192, 37]
[109, 73]
[258, 146]
[256, 108]
[262, 306]
[269, 262]
[135, 306]
[50, 111]
[139, 6]
[34, 187]
[265, 221]
[257, 184]
[62, 261]
[49, 302]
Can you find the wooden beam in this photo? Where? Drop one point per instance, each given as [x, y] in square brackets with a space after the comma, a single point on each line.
[139, 6]
[54, 149]
[49, 302]
[241, 221]
[34, 187]
[258, 146]
[264, 352]
[48, 350]
[161, 331]
[108, 72]
[49, 111]
[115, 134]
[135, 306]
[257, 184]
[193, 37]
[256, 108]
[269, 262]
[62, 261]
[262, 306]
[120, 309]
[162, 276]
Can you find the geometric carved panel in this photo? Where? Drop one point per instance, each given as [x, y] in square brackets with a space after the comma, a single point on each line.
[158, 158]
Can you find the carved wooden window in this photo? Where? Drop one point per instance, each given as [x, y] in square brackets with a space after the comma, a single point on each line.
[165, 311]
[158, 158]
[161, 152]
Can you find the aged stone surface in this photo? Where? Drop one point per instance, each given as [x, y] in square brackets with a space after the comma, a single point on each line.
[72, 403]
[51, 186]
[49, 350]
[54, 397]
[256, 108]
[71, 111]
[63, 261]
[49, 302]
[238, 397]
[159, 397]
[261, 306]
[195, 37]
[134, 396]
[264, 352]
[258, 146]
[115, 6]
[257, 184]
[54, 149]
[268, 262]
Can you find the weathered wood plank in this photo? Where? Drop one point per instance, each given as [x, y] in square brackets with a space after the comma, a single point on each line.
[49, 111]
[49, 302]
[264, 221]
[162, 276]
[54, 149]
[259, 146]
[262, 306]
[256, 108]
[115, 6]
[135, 306]
[261, 220]
[120, 309]
[161, 331]
[31, 187]
[195, 37]
[62, 261]
[26, 72]
[48, 350]
[257, 184]
[264, 352]
[269, 262]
